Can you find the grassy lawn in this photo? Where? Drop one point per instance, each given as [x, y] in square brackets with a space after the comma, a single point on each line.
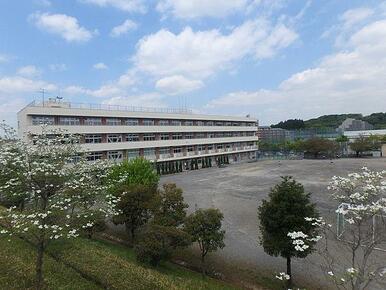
[92, 264]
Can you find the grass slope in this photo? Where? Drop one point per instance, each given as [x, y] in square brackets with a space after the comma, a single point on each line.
[91, 264]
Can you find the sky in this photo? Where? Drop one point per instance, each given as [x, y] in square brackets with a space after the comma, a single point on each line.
[272, 59]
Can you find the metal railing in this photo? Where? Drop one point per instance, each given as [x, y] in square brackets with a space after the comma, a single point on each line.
[107, 107]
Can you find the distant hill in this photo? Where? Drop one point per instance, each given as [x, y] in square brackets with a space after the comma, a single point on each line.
[378, 120]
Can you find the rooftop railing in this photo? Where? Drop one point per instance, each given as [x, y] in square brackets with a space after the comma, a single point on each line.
[107, 107]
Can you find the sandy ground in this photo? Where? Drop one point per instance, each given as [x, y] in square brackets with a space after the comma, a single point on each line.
[238, 190]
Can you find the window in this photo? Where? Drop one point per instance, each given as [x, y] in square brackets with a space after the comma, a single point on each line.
[175, 123]
[188, 123]
[219, 146]
[115, 155]
[219, 135]
[114, 138]
[200, 135]
[163, 122]
[211, 135]
[190, 149]
[148, 122]
[177, 150]
[201, 148]
[148, 137]
[94, 156]
[40, 120]
[134, 153]
[164, 137]
[93, 139]
[164, 151]
[189, 136]
[177, 136]
[149, 152]
[228, 123]
[113, 122]
[132, 137]
[93, 121]
[132, 122]
[210, 123]
[210, 147]
[228, 134]
[200, 123]
[219, 124]
[69, 121]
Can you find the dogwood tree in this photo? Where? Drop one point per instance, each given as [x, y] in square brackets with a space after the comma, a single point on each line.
[350, 255]
[58, 191]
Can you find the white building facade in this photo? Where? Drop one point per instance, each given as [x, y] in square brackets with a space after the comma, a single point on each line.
[160, 135]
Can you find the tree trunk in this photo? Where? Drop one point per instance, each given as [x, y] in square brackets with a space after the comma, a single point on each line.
[203, 265]
[289, 281]
[39, 265]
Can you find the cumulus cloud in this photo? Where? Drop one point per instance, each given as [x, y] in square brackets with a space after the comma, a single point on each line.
[200, 8]
[124, 5]
[62, 25]
[123, 28]
[13, 85]
[354, 16]
[177, 84]
[202, 53]
[347, 81]
[100, 66]
[29, 71]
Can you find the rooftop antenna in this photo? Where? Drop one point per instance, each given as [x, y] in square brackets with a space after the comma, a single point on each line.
[43, 92]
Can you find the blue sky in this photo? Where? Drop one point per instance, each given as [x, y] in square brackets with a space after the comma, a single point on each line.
[272, 59]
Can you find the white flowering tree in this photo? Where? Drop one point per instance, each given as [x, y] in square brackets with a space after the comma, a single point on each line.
[57, 192]
[350, 255]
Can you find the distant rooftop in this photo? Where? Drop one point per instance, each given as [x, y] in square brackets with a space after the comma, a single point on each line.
[57, 103]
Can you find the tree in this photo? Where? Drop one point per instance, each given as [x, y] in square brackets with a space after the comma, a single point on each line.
[317, 146]
[135, 183]
[360, 145]
[292, 124]
[169, 208]
[138, 171]
[163, 234]
[134, 206]
[204, 226]
[349, 255]
[157, 243]
[285, 212]
[42, 173]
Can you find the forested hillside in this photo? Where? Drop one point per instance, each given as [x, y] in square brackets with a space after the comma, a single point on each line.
[378, 120]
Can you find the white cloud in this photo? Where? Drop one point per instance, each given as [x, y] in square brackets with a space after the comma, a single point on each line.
[177, 84]
[17, 84]
[201, 8]
[202, 53]
[100, 66]
[117, 88]
[29, 71]
[144, 100]
[354, 16]
[63, 25]
[347, 81]
[58, 67]
[125, 5]
[123, 28]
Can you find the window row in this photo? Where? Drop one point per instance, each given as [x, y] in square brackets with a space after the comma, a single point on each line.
[167, 152]
[116, 138]
[98, 121]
